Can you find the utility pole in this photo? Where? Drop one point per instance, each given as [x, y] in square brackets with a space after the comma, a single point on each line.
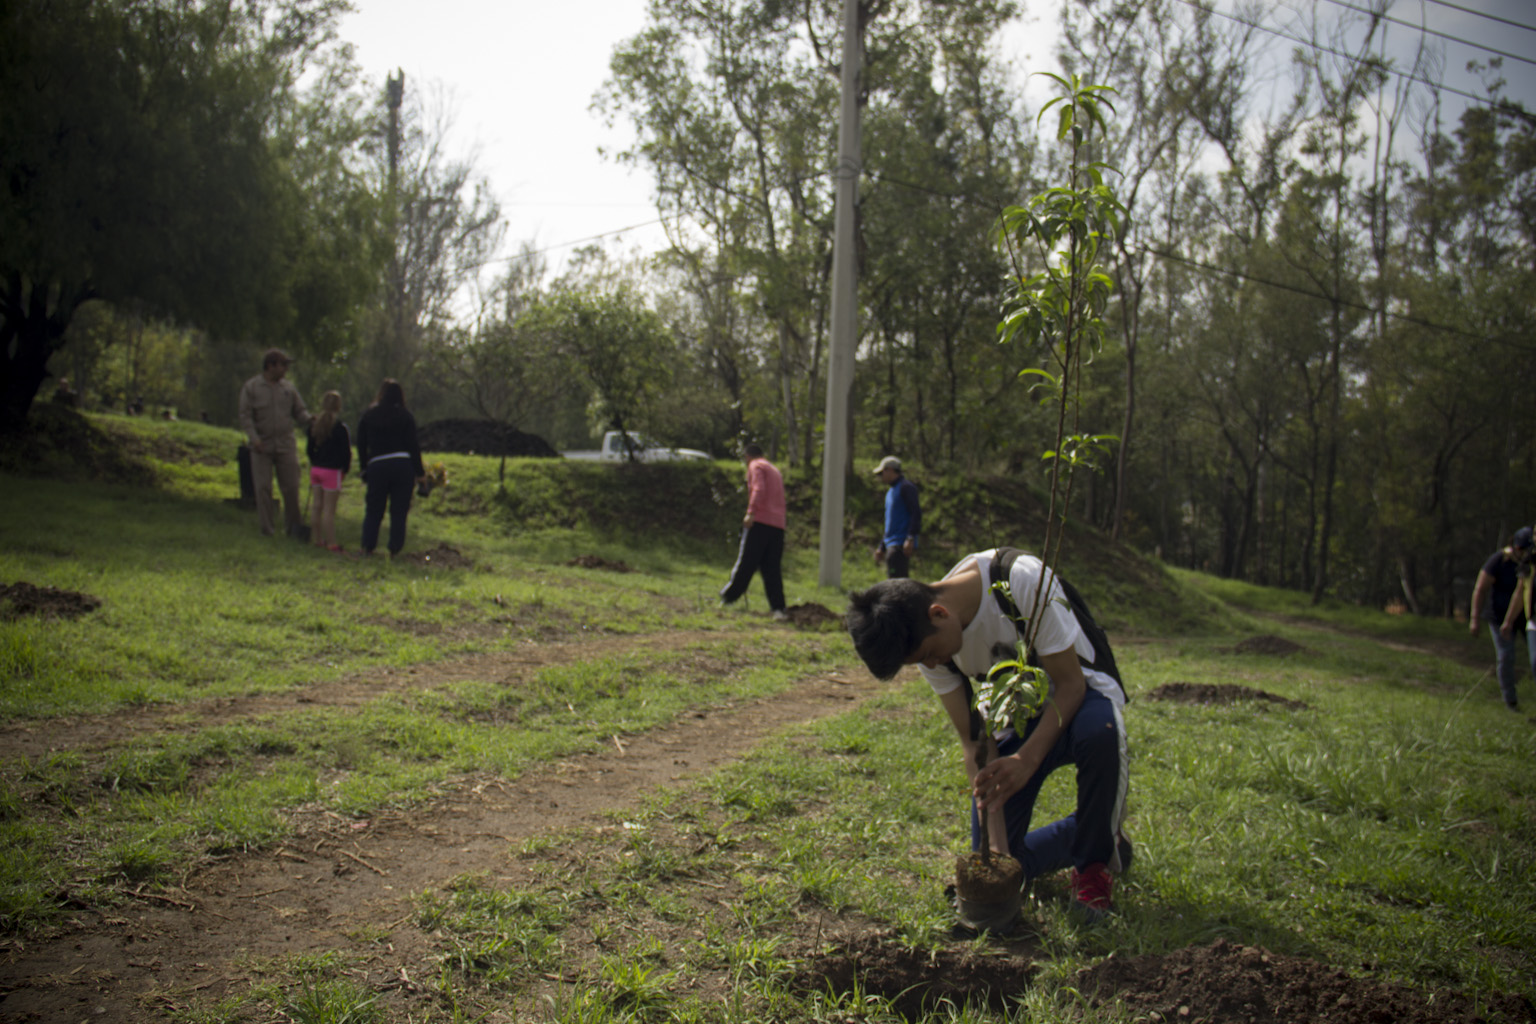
[845, 300]
[394, 96]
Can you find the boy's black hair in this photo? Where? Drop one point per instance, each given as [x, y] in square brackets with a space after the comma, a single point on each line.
[888, 622]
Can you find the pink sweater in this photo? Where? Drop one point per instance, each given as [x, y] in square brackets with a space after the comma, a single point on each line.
[765, 493]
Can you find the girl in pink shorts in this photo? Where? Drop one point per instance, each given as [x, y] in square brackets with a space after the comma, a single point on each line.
[330, 457]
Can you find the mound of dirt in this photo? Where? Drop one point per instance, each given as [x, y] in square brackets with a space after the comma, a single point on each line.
[482, 437]
[1277, 646]
[917, 980]
[1224, 983]
[594, 562]
[812, 615]
[440, 557]
[22, 598]
[1219, 693]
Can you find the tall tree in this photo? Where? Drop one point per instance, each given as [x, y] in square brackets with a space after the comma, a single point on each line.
[136, 165]
[441, 221]
[1168, 63]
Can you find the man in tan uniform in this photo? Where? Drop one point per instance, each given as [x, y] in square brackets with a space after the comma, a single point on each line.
[269, 408]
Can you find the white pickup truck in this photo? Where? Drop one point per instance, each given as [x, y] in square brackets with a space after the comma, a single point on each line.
[613, 450]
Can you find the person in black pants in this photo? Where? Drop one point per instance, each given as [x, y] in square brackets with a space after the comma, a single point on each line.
[390, 455]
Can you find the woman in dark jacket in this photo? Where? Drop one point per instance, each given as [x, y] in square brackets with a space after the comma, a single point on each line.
[390, 455]
[329, 447]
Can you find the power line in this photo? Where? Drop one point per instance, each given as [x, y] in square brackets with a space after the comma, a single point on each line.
[566, 245]
[1502, 105]
[1429, 31]
[1374, 310]
[1483, 14]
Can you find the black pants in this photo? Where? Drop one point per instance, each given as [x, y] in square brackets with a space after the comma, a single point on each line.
[762, 549]
[390, 481]
[897, 566]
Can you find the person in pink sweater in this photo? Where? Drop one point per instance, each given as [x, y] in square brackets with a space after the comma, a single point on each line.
[762, 534]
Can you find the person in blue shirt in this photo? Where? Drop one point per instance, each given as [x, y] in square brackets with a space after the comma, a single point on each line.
[903, 520]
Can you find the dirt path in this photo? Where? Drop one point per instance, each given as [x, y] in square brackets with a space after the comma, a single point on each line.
[35, 738]
[336, 882]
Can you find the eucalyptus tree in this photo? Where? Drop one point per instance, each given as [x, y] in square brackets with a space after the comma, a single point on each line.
[138, 165]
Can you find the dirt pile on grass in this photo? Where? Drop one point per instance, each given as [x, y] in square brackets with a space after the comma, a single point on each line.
[482, 437]
[1275, 646]
[812, 615]
[916, 981]
[1226, 983]
[1219, 693]
[22, 599]
[443, 556]
[595, 562]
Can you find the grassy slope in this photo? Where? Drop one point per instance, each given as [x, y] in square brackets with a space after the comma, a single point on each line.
[1393, 822]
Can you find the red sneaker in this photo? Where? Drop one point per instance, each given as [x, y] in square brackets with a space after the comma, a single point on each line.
[1091, 888]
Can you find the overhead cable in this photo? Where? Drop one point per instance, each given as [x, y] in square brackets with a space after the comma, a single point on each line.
[1429, 31]
[1505, 106]
[1484, 14]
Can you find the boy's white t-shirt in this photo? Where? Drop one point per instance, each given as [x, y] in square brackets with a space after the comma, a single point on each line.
[991, 635]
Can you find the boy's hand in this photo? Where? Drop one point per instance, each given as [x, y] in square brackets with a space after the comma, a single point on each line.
[999, 780]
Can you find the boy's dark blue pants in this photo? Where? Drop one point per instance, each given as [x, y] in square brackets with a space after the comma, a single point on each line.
[1095, 743]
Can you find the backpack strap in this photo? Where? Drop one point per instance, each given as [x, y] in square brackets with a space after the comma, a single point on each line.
[1103, 659]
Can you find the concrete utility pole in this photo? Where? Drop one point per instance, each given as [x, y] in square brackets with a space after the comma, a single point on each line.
[394, 96]
[845, 300]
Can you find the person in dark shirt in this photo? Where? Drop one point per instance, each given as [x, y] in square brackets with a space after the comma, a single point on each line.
[1495, 601]
[329, 448]
[390, 457]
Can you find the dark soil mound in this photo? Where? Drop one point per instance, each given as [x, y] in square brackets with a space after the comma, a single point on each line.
[594, 562]
[440, 557]
[1277, 646]
[1214, 693]
[21, 598]
[917, 980]
[482, 437]
[1233, 984]
[812, 615]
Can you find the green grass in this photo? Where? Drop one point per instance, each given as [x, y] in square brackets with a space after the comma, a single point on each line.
[1390, 822]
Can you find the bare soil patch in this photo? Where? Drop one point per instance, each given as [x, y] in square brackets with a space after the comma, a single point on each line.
[812, 615]
[596, 562]
[22, 599]
[1227, 983]
[443, 556]
[917, 981]
[1220, 693]
[1274, 646]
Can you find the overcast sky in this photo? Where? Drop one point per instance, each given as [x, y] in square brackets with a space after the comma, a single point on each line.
[520, 78]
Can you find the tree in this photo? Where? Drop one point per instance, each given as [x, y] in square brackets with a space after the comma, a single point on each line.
[1168, 62]
[505, 367]
[137, 166]
[440, 221]
[622, 349]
